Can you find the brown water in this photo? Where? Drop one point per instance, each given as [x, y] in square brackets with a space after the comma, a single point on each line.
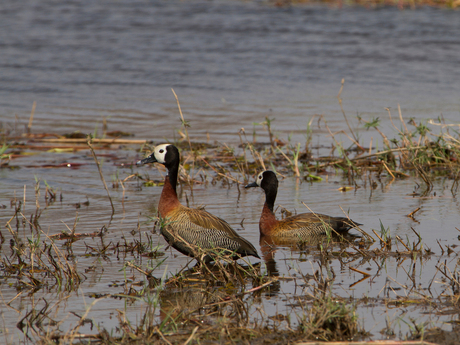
[231, 64]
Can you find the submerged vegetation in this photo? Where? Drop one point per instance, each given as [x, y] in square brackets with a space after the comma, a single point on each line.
[224, 302]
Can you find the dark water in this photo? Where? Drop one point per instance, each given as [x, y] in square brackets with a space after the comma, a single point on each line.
[231, 64]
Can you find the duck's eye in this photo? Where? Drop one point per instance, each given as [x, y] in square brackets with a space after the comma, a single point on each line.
[161, 151]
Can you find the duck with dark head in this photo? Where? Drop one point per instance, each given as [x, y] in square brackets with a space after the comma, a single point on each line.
[193, 232]
[305, 227]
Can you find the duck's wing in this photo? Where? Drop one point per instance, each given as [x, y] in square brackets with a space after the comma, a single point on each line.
[301, 226]
[206, 220]
[205, 227]
[317, 221]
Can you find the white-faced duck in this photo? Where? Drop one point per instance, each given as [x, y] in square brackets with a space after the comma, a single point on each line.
[193, 232]
[300, 227]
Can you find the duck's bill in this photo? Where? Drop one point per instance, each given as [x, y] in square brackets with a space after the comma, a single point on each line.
[254, 184]
[149, 159]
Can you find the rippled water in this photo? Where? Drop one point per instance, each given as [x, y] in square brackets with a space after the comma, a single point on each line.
[231, 64]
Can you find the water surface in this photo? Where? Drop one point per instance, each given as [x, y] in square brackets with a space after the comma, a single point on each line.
[231, 64]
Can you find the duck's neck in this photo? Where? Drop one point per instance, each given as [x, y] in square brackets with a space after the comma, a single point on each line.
[168, 199]
[270, 197]
[172, 176]
[267, 219]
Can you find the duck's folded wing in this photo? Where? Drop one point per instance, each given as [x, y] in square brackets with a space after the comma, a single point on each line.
[206, 220]
[219, 232]
[319, 222]
[302, 225]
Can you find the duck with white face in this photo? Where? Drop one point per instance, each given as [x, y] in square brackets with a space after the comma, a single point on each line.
[193, 232]
[301, 227]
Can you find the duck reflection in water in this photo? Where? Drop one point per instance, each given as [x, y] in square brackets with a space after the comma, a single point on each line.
[207, 290]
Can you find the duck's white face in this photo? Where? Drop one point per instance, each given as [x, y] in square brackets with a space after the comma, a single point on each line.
[160, 153]
[259, 178]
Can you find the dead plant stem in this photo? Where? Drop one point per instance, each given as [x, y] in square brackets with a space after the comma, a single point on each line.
[88, 142]
[359, 271]
[391, 120]
[191, 335]
[343, 112]
[389, 171]
[401, 119]
[182, 118]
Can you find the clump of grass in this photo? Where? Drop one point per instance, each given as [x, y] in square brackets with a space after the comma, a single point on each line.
[40, 261]
[384, 236]
[330, 319]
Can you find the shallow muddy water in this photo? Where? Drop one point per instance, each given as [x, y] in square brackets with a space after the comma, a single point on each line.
[231, 64]
[389, 203]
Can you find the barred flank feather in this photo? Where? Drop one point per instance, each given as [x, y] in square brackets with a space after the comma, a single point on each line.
[193, 230]
[309, 225]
